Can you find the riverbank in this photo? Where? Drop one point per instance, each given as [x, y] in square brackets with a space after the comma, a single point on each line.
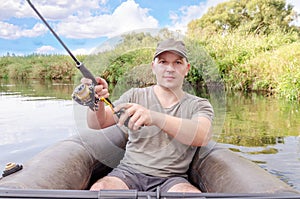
[248, 62]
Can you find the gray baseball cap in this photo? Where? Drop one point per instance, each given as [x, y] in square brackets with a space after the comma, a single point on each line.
[177, 47]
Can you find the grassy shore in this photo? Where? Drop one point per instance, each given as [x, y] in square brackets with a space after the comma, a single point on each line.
[252, 62]
[244, 62]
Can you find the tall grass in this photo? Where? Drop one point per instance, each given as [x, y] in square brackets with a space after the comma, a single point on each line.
[245, 62]
[252, 62]
[37, 67]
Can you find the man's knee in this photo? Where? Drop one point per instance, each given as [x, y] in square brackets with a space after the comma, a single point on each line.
[184, 187]
[109, 182]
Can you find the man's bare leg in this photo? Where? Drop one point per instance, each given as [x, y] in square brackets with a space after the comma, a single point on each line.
[184, 187]
[109, 182]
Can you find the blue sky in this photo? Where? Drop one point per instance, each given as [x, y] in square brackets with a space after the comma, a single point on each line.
[85, 24]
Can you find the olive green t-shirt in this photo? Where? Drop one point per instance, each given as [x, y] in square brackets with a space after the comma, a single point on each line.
[152, 151]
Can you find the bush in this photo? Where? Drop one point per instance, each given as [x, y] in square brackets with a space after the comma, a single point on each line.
[257, 62]
[37, 67]
[125, 62]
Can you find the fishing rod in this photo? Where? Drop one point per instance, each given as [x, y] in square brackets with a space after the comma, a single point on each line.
[83, 94]
[85, 72]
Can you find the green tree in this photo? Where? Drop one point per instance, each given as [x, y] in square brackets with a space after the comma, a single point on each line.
[248, 16]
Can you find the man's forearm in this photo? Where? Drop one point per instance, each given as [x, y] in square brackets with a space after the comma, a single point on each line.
[95, 118]
[190, 132]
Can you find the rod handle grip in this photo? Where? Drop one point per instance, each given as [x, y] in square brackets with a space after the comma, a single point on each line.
[86, 73]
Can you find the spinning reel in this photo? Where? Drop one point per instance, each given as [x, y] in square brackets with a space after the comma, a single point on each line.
[84, 95]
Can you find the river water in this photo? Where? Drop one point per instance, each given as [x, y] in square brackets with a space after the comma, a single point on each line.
[265, 130]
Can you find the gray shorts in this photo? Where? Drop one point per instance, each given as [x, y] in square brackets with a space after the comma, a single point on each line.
[144, 182]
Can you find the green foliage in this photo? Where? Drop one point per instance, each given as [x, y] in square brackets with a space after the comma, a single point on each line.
[252, 43]
[126, 62]
[248, 16]
[20, 71]
[142, 50]
[288, 80]
[203, 68]
[235, 52]
[110, 59]
[276, 71]
[37, 67]
[4, 62]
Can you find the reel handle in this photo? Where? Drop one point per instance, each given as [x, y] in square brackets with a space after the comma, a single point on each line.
[119, 113]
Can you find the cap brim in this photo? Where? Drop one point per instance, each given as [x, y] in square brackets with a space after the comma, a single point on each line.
[170, 50]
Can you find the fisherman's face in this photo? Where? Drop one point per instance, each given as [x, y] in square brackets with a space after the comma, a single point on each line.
[170, 70]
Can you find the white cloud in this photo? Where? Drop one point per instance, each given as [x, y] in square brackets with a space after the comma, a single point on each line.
[61, 9]
[10, 31]
[13, 8]
[92, 18]
[188, 13]
[50, 9]
[128, 16]
[81, 51]
[296, 4]
[45, 50]
[75, 19]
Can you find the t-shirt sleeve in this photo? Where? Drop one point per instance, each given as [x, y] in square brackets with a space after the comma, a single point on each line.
[203, 108]
[125, 97]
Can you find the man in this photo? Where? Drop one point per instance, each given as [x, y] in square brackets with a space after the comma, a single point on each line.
[165, 126]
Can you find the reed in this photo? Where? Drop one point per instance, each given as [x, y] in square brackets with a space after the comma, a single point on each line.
[245, 61]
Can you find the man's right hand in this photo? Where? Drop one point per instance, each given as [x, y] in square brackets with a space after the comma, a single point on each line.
[101, 89]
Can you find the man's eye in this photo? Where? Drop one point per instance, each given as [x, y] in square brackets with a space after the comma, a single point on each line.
[179, 62]
[162, 61]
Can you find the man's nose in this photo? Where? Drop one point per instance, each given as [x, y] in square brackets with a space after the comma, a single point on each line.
[170, 67]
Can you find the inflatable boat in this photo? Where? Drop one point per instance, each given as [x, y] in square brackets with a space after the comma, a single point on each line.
[72, 165]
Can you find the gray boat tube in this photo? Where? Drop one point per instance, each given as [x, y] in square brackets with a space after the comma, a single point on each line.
[223, 171]
[74, 163]
[69, 164]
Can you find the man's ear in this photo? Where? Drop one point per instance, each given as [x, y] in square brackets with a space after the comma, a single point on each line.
[188, 67]
[152, 67]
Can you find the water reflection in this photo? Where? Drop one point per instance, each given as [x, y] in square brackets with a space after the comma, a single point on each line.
[33, 116]
[254, 120]
[281, 159]
[38, 88]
